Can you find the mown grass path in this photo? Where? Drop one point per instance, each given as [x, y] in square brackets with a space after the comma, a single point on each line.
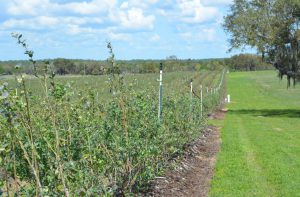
[260, 151]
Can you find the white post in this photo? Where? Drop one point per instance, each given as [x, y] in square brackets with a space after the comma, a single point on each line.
[228, 98]
[160, 92]
[191, 102]
[201, 100]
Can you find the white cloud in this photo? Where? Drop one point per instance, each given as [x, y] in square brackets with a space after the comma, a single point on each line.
[92, 21]
[188, 11]
[207, 34]
[119, 36]
[38, 7]
[203, 34]
[155, 38]
[133, 18]
[92, 7]
[193, 11]
[46, 22]
[124, 5]
[33, 23]
[162, 12]
[131, 14]
[142, 4]
[216, 2]
[29, 7]
[73, 29]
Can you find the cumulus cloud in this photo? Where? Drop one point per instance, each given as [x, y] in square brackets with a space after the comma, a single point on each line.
[133, 18]
[116, 20]
[33, 23]
[142, 4]
[130, 15]
[37, 7]
[124, 5]
[193, 11]
[188, 11]
[119, 36]
[200, 34]
[46, 22]
[217, 2]
[92, 7]
[29, 7]
[73, 29]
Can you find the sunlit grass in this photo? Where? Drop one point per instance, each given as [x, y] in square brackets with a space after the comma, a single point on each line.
[260, 152]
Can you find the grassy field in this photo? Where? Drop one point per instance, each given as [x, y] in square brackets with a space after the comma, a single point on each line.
[260, 152]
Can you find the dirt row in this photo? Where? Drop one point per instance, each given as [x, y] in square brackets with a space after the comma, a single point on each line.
[193, 174]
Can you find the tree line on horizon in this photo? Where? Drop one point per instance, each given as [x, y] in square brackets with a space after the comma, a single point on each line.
[62, 66]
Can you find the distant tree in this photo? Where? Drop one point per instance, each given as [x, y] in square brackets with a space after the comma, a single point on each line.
[198, 66]
[2, 71]
[215, 65]
[247, 62]
[270, 26]
[148, 67]
[64, 66]
[97, 69]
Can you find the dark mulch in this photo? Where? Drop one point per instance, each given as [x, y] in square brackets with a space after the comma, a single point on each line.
[195, 170]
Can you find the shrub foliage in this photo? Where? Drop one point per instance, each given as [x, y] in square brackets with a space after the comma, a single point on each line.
[65, 143]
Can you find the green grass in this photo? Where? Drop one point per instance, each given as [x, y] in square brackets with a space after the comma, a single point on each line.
[260, 151]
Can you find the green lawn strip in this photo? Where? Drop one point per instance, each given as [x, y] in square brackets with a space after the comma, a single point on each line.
[260, 151]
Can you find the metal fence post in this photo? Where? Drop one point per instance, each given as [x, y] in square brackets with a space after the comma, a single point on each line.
[160, 91]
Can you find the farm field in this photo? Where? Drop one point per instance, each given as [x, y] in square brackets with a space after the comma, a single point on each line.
[150, 98]
[173, 82]
[72, 135]
[260, 151]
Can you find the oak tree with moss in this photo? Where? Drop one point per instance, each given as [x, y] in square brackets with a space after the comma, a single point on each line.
[272, 28]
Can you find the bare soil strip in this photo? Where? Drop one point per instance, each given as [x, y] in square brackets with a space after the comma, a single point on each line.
[193, 175]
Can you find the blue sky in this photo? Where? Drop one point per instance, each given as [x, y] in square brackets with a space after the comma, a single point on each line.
[138, 29]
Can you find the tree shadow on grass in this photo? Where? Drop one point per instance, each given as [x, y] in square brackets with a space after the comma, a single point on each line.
[288, 113]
